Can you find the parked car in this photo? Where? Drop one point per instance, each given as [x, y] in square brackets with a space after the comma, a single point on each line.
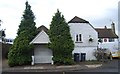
[116, 54]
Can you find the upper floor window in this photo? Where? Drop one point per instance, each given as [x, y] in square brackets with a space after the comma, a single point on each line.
[111, 39]
[78, 37]
[100, 40]
[105, 39]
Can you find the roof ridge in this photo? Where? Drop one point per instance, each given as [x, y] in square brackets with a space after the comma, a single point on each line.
[42, 27]
[77, 19]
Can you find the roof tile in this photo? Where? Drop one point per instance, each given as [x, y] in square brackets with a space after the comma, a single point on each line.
[105, 33]
[77, 20]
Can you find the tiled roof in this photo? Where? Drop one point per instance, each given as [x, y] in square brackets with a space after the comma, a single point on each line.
[105, 33]
[77, 20]
[42, 28]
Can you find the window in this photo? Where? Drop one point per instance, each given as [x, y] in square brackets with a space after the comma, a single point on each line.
[100, 40]
[105, 39]
[111, 39]
[78, 37]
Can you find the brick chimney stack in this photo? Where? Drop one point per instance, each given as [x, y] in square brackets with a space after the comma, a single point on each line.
[113, 27]
[105, 27]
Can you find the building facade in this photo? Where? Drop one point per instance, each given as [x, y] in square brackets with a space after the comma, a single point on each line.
[108, 39]
[85, 38]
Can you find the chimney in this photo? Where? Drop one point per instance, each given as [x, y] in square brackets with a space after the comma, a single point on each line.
[113, 27]
[105, 27]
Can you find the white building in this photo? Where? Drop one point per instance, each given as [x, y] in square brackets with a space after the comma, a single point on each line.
[83, 34]
[108, 38]
[41, 52]
[85, 38]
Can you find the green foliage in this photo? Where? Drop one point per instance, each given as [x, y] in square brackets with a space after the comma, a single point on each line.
[61, 40]
[102, 54]
[21, 51]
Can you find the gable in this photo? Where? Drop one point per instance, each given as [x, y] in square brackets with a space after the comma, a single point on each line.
[41, 38]
[77, 20]
[42, 27]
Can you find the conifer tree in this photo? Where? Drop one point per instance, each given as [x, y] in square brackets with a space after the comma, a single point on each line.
[20, 52]
[60, 40]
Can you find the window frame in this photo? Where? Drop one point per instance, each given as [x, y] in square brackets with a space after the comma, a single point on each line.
[111, 39]
[78, 38]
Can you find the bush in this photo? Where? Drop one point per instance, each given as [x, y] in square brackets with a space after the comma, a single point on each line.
[20, 52]
[68, 61]
[61, 40]
[102, 54]
[63, 61]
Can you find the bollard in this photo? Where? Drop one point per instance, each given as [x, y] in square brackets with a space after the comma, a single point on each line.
[52, 62]
[32, 60]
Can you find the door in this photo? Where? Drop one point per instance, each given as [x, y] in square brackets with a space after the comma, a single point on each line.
[76, 57]
[42, 54]
[83, 56]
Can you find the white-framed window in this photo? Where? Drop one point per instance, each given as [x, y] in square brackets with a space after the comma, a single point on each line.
[78, 38]
[105, 39]
[111, 40]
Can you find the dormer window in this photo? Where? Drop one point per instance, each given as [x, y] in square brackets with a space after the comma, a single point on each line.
[78, 38]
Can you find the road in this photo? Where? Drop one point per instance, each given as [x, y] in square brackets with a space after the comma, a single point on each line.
[111, 66]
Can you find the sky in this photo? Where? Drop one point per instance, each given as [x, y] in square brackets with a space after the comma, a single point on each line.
[99, 13]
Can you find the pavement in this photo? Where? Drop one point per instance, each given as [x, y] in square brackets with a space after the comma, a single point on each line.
[83, 67]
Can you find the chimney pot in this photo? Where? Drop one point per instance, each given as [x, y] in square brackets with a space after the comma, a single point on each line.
[105, 27]
[113, 27]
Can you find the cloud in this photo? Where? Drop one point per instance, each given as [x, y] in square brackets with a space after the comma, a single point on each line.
[98, 12]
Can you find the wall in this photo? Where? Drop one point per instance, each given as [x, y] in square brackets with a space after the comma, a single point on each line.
[86, 30]
[88, 50]
[5, 49]
[41, 38]
[85, 46]
[113, 46]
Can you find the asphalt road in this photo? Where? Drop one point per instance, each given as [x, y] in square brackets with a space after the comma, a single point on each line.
[111, 66]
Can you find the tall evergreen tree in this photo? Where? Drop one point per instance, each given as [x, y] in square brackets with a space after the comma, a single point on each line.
[61, 41]
[20, 52]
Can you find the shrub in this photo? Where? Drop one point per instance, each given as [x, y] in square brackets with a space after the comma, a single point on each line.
[20, 52]
[61, 40]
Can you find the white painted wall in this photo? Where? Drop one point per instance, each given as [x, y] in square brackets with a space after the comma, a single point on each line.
[41, 38]
[86, 30]
[88, 50]
[85, 46]
[112, 46]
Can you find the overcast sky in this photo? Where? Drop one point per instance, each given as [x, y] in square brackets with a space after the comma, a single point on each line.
[98, 12]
